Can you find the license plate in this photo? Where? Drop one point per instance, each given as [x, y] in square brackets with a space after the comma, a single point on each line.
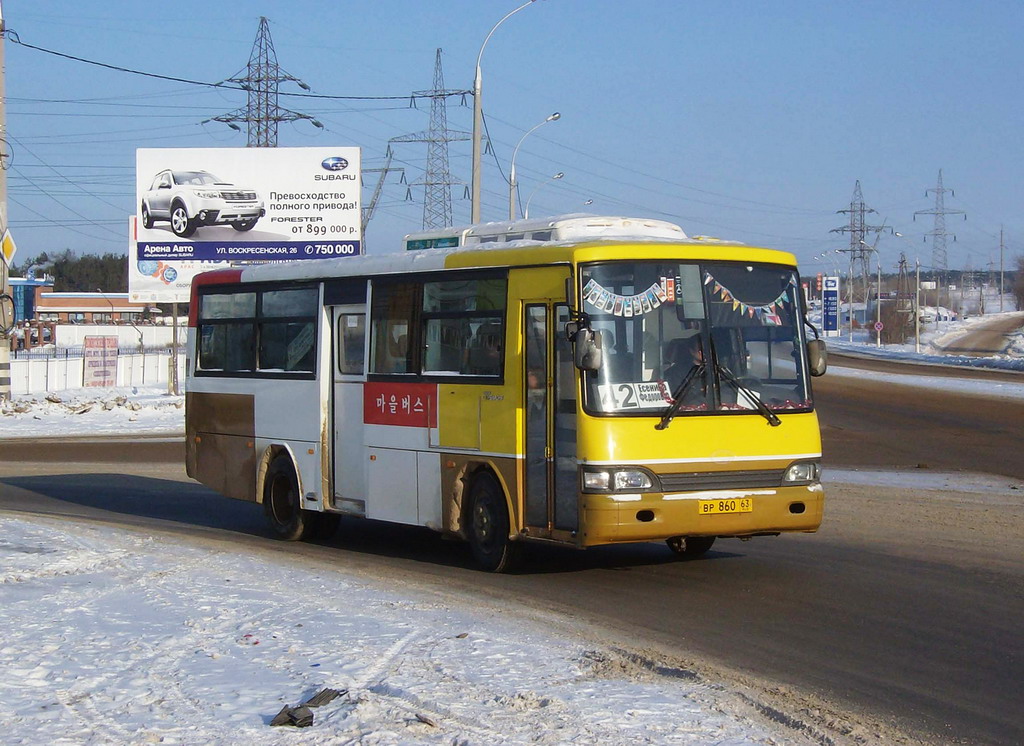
[726, 505]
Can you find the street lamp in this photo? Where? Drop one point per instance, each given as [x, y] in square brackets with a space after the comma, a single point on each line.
[142, 346]
[512, 171]
[833, 260]
[478, 117]
[109, 303]
[526, 212]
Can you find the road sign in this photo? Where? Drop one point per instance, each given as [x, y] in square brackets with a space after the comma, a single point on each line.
[879, 326]
[7, 247]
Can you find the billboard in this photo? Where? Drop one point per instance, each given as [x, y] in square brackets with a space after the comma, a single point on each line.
[100, 353]
[158, 280]
[830, 306]
[247, 204]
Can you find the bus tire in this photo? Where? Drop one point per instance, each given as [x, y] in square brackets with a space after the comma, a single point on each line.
[688, 547]
[281, 501]
[488, 525]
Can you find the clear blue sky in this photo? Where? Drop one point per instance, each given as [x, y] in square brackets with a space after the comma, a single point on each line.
[744, 120]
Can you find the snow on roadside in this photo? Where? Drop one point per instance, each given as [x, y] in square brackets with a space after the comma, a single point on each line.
[93, 411]
[953, 386]
[933, 341]
[115, 636]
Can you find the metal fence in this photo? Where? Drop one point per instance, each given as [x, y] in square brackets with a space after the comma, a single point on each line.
[64, 353]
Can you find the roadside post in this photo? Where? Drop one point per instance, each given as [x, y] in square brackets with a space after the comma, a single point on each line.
[8, 243]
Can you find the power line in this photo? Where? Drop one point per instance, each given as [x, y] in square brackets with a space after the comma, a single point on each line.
[13, 37]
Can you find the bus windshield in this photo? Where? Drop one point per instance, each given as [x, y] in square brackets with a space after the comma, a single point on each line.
[722, 336]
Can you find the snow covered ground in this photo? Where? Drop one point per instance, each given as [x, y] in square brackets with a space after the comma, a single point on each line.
[933, 339]
[116, 636]
[147, 410]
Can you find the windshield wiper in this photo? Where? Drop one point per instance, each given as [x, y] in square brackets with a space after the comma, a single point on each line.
[768, 414]
[678, 394]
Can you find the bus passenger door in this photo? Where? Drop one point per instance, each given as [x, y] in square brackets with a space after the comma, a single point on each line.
[348, 324]
[551, 491]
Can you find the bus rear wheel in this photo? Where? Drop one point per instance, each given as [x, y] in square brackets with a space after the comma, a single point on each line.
[488, 526]
[281, 502]
[690, 546]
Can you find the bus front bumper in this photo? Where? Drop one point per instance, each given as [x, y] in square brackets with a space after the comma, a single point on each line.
[612, 519]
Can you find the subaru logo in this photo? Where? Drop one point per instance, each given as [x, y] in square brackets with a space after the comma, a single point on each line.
[335, 163]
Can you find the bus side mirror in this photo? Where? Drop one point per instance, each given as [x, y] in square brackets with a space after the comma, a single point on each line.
[586, 351]
[817, 356]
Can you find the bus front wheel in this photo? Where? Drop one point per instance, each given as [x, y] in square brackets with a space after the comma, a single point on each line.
[488, 526]
[281, 503]
[690, 546]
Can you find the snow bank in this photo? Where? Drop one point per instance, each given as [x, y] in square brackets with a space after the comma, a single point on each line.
[93, 411]
[116, 637]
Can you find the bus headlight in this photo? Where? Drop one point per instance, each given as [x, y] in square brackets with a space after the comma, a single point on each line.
[617, 480]
[804, 472]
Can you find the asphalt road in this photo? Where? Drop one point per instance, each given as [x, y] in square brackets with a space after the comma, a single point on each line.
[905, 610]
[867, 423]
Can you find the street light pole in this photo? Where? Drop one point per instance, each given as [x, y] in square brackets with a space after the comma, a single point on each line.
[917, 310]
[478, 117]
[878, 304]
[512, 170]
[526, 211]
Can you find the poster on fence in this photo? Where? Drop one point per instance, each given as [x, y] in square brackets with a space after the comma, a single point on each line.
[100, 361]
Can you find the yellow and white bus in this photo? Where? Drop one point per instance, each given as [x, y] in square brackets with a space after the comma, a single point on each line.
[580, 393]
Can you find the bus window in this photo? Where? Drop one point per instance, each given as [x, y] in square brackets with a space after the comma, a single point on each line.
[391, 320]
[463, 326]
[226, 332]
[287, 331]
[352, 340]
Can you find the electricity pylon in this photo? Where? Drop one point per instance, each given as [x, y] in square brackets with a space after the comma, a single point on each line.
[938, 233]
[437, 180]
[858, 230]
[262, 112]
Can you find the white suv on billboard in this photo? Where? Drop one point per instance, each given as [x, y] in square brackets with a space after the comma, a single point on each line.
[190, 199]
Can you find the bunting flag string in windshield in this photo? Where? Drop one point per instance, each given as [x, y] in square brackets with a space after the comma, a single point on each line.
[767, 314]
[632, 305]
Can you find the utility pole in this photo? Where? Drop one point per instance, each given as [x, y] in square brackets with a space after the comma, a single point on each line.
[263, 78]
[938, 233]
[1000, 269]
[437, 181]
[5, 290]
[904, 305]
[917, 310]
